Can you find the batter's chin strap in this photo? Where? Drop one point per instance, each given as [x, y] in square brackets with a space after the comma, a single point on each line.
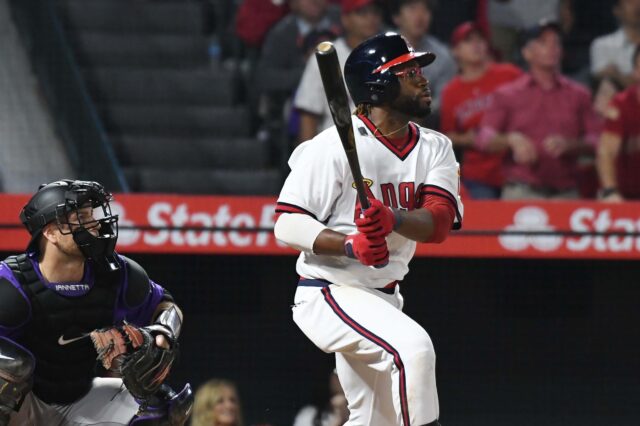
[16, 373]
[165, 408]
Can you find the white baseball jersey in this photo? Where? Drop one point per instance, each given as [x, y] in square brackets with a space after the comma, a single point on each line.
[321, 185]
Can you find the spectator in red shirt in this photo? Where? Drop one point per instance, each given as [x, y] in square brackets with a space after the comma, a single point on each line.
[464, 101]
[544, 120]
[255, 17]
[618, 158]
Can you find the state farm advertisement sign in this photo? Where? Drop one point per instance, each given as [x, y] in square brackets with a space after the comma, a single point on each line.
[547, 229]
[242, 225]
[185, 224]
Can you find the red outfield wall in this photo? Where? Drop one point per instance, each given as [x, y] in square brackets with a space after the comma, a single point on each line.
[568, 226]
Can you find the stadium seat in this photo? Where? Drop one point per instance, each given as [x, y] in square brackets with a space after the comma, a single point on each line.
[172, 112]
[100, 49]
[205, 181]
[134, 16]
[176, 120]
[162, 86]
[236, 153]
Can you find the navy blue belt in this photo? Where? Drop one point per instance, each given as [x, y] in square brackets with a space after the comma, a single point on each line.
[319, 282]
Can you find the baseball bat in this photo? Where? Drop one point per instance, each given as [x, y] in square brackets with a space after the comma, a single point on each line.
[336, 94]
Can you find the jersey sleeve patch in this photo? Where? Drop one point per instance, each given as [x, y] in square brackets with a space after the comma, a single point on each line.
[14, 308]
[138, 285]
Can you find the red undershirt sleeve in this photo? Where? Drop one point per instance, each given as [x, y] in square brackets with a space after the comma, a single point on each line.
[443, 216]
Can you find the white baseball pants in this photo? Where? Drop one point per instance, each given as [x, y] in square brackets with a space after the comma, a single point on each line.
[108, 403]
[385, 360]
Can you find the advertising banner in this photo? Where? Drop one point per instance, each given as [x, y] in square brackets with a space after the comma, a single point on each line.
[243, 225]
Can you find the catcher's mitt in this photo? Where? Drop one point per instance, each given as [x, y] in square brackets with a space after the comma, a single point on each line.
[132, 352]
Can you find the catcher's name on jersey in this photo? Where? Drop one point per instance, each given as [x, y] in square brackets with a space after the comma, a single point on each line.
[321, 185]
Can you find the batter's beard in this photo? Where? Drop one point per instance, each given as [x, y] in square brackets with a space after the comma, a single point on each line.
[411, 106]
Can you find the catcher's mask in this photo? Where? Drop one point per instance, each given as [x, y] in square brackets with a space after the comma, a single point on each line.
[79, 208]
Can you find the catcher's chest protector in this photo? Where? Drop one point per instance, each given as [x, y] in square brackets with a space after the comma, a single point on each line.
[65, 366]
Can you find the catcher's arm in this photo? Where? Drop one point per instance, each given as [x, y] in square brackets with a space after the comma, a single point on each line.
[169, 316]
[133, 353]
[142, 356]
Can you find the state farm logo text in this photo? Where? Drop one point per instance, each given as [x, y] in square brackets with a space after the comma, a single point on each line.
[584, 219]
[166, 214]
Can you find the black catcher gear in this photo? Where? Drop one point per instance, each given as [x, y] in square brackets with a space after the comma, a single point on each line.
[56, 201]
[16, 374]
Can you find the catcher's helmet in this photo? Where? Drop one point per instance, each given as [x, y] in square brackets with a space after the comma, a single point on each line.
[367, 70]
[56, 200]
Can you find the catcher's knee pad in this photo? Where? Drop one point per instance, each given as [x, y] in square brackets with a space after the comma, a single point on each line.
[165, 408]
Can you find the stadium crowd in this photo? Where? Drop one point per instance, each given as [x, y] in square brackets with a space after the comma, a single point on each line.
[538, 98]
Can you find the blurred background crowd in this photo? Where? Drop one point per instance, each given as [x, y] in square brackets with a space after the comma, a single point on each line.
[211, 96]
[530, 93]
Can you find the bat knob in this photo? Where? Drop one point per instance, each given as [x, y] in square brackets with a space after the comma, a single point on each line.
[325, 48]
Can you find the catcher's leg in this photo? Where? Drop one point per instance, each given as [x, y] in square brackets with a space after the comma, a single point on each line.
[107, 403]
[165, 408]
[16, 368]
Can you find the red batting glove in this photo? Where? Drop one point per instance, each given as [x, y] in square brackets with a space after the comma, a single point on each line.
[377, 221]
[368, 251]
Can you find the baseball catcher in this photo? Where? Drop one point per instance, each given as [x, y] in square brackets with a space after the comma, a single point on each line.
[78, 321]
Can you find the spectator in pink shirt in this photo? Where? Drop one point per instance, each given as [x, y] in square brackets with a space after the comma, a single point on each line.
[544, 120]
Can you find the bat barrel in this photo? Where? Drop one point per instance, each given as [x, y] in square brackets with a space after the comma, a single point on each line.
[336, 94]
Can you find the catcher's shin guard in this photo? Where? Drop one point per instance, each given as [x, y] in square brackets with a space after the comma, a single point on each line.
[165, 408]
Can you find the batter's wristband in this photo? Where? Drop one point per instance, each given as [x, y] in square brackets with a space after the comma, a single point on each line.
[398, 218]
[348, 247]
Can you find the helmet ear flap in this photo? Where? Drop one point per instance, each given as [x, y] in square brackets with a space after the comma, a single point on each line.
[383, 91]
[376, 91]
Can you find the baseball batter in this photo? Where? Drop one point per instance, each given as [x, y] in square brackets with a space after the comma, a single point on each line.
[62, 297]
[348, 299]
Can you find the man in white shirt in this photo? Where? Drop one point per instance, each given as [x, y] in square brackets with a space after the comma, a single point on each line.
[361, 19]
[611, 54]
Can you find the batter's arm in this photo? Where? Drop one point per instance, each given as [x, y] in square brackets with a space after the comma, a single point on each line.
[429, 224]
[329, 242]
[426, 225]
[304, 233]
